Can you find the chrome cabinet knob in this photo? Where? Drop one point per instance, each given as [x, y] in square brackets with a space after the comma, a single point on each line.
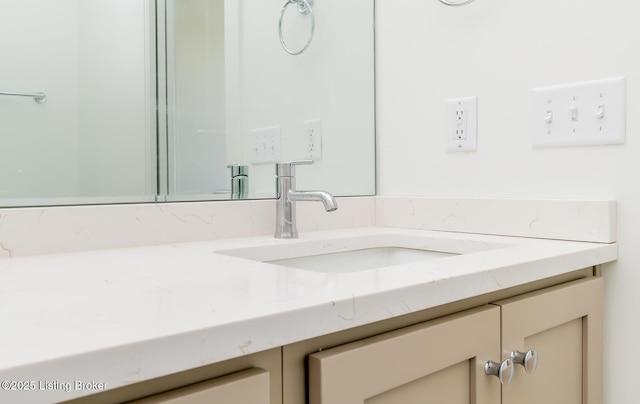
[528, 360]
[503, 371]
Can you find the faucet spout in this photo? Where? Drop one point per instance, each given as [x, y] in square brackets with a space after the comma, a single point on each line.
[287, 196]
[325, 197]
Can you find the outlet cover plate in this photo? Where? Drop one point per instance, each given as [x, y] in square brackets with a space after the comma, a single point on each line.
[313, 139]
[461, 128]
[579, 114]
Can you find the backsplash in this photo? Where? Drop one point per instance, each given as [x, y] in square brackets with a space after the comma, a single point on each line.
[49, 230]
[576, 220]
[34, 231]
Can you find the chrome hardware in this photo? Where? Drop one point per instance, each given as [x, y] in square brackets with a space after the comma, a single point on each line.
[304, 7]
[287, 195]
[239, 181]
[288, 169]
[503, 371]
[40, 98]
[528, 360]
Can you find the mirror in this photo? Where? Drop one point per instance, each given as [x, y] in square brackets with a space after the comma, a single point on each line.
[152, 100]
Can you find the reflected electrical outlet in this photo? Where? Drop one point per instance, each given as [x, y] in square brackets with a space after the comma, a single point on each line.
[313, 144]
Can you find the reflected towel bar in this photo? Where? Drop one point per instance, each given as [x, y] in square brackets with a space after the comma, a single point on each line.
[40, 98]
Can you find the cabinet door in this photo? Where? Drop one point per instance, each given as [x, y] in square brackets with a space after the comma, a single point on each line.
[564, 325]
[440, 361]
[246, 387]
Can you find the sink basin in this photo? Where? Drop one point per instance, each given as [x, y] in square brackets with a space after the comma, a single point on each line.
[360, 253]
[360, 260]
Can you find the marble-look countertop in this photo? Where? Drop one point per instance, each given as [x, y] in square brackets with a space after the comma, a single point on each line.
[126, 315]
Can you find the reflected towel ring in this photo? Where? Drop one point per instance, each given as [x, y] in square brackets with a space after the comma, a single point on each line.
[304, 7]
[456, 3]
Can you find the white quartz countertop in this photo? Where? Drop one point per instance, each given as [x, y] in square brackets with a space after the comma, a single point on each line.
[126, 315]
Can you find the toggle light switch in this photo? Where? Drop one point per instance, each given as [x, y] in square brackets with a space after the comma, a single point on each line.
[549, 117]
[574, 113]
[600, 112]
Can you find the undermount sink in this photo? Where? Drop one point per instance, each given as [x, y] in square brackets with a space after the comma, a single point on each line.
[360, 260]
[360, 253]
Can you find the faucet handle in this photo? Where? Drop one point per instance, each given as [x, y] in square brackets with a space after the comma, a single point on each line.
[287, 168]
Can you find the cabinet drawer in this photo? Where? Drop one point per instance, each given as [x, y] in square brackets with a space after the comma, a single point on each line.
[246, 387]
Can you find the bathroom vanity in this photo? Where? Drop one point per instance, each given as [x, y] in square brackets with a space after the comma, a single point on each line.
[218, 319]
[429, 352]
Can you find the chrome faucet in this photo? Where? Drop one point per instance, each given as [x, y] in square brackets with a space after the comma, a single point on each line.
[287, 195]
[239, 181]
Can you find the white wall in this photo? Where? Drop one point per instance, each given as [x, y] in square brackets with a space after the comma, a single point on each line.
[498, 50]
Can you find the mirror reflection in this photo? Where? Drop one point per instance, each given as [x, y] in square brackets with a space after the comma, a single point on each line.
[154, 100]
[94, 138]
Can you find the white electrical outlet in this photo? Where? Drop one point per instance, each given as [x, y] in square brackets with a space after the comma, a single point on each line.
[313, 139]
[579, 114]
[266, 145]
[461, 124]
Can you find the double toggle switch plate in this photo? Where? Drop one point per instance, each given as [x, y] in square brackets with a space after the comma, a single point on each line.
[266, 145]
[579, 114]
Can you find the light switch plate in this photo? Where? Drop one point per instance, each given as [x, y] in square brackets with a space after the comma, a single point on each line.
[461, 124]
[579, 114]
[266, 145]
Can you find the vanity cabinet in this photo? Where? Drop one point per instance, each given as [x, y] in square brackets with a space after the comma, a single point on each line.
[443, 360]
[437, 355]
